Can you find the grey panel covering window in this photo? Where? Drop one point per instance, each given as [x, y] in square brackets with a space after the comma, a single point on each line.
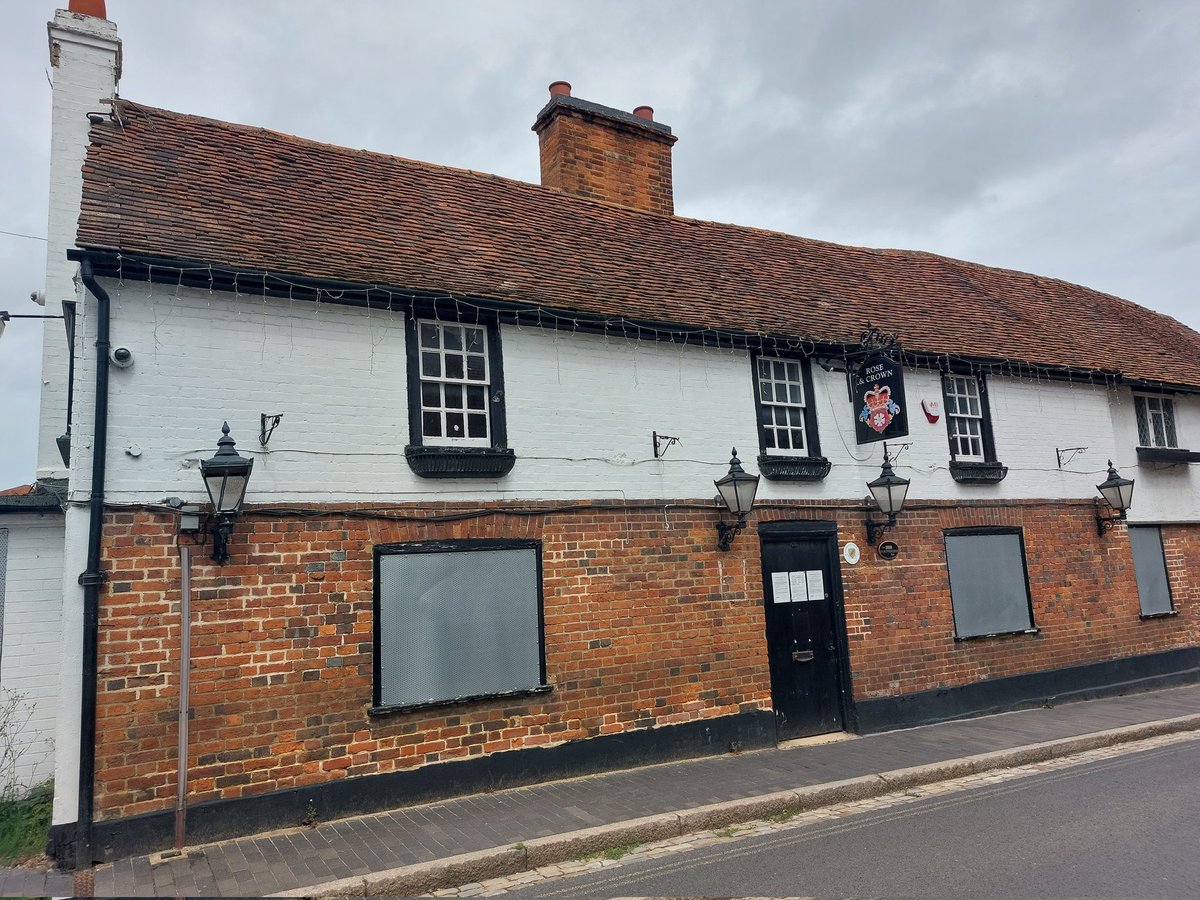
[1150, 567]
[457, 624]
[988, 585]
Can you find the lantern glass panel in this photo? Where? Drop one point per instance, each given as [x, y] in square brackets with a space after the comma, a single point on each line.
[738, 493]
[746, 488]
[889, 494]
[1118, 494]
[226, 491]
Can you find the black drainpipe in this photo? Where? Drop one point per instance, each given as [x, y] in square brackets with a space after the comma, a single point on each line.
[92, 578]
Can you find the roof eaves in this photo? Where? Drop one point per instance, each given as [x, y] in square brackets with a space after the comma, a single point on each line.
[45, 496]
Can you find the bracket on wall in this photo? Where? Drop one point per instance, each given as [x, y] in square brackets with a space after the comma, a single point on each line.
[1060, 452]
[875, 338]
[662, 443]
[1106, 523]
[264, 433]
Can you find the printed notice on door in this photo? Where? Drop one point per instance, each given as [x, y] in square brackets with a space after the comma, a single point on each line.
[781, 587]
[799, 586]
[816, 584]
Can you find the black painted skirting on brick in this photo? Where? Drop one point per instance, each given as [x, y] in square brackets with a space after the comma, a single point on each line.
[1105, 679]
[222, 819]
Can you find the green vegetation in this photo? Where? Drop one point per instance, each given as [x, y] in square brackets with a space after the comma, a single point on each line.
[310, 815]
[785, 815]
[24, 812]
[24, 822]
[619, 850]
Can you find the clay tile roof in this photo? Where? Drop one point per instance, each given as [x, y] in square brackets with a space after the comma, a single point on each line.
[166, 184]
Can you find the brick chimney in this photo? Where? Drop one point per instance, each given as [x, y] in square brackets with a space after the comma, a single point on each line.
[606, 154]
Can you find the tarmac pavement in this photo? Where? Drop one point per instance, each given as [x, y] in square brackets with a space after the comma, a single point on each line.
[420, 849]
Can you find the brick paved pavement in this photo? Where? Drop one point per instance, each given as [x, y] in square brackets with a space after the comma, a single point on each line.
[298, 858]
[35, 883]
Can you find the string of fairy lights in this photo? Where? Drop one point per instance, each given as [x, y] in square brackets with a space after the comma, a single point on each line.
[382, 304]
[633, 330]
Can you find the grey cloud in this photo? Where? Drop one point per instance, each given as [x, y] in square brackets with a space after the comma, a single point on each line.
[1057, 137]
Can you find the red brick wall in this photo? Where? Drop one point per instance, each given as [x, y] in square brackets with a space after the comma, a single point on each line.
[640, 631]
[1085, 600]
[604, 160]
[646, 624]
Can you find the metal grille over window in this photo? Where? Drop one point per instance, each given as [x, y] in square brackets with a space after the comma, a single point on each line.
[1155, 421]
[454, 384]
[781, 400]
[989, 588]
[458, 624]
[964, 418]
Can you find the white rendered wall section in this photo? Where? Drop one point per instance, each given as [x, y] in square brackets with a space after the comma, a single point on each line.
[29, 658]
[580, 408]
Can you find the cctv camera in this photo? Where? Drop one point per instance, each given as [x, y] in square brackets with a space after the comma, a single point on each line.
[122, 357]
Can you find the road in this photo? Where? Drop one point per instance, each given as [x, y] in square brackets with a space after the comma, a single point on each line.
[1122, 827]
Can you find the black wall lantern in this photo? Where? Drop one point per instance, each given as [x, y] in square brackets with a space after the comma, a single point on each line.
[889, 491]
[737, 490]
[1118, 494]
[226, 476]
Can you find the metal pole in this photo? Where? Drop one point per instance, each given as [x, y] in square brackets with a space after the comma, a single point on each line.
[185, 664]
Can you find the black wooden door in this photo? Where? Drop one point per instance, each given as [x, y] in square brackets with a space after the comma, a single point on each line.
[803, 634]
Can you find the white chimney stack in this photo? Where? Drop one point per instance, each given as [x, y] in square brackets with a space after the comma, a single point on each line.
[85, 64]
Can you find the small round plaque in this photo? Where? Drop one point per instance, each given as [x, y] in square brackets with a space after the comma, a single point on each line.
[851, 553]
[889, 549]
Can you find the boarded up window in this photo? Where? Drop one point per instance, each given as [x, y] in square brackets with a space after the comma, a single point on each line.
[1150, 567]
[988, 584]
[457, 620]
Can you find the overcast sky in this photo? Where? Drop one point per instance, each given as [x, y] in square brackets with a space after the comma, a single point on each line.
[1061, 138]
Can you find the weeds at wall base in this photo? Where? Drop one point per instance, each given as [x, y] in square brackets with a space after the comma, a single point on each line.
[25, 823]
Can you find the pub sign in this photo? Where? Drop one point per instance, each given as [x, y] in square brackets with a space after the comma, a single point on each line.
[877, 392]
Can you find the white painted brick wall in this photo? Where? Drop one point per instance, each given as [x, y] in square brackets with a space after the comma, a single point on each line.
[581, 409]
[29, 659]
[1160, 492]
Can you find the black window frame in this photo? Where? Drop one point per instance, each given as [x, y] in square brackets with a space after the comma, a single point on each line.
[989, 470]
[435, 460]
[777, 466]
[466, 545]
[987, 531]
[1172, 611]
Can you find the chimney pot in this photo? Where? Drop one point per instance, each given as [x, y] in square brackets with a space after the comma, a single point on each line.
[560, 89]
[644, 112]
[94, 8]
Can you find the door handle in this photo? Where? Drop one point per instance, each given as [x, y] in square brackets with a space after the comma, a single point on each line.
[802, 656]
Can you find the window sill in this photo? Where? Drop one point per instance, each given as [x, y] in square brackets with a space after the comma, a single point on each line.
[793, 468]
[977, 472]
[1162, 615]
[460, 462]
[997, 634]
[1166, 455]
[458, 701]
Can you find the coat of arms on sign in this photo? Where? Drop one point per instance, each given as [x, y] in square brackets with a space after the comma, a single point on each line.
[880, 409]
